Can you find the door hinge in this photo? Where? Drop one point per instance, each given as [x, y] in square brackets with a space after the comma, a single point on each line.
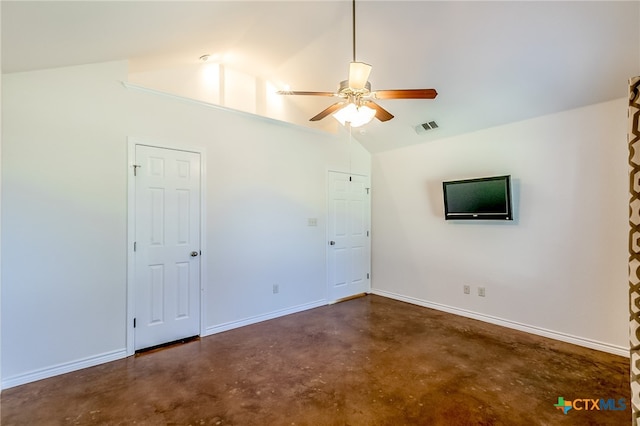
[135, 168]
[349, 178]
[367, 190]
[135, 246]
[367, 275]
[367, 233]
[134, 323]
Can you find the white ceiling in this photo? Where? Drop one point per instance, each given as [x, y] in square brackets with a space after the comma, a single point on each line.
[492, 62]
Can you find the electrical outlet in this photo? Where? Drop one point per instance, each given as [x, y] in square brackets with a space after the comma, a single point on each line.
[276, 289]
[481, 291]
[467, 289]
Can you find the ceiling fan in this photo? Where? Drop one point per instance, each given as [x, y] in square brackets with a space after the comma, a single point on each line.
[357, 104]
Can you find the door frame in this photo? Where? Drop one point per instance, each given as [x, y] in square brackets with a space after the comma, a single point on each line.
[367, 179]
[132, 142]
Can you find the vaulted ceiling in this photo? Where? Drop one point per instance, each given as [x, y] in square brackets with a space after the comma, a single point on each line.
[492, 62]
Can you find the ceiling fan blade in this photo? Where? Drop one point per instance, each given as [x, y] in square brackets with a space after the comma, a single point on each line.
[297, 92]
[405, 94]
[381, 113]
[330, 110]
[358, 75]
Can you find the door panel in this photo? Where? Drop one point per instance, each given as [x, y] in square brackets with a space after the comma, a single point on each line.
[167, 228]
[182, 301]
[156, 294]
[347, 228]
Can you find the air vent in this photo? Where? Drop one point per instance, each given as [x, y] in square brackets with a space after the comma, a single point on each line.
[425, 127]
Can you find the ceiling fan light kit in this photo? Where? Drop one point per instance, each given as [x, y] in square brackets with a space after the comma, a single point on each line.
[357, 106]
[354, 115]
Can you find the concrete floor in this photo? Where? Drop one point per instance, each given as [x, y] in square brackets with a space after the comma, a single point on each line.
[367, 361]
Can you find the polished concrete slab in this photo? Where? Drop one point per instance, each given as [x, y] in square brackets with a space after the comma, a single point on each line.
[367, 361]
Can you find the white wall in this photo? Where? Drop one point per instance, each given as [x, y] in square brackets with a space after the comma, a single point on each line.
[559, 269]
[265, 179]
[223, 85]
[63, 218]
[64, 241]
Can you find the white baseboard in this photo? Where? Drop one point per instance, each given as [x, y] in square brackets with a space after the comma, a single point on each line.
[63, 368]
[91, 361]
[580, 341]
[259, 318]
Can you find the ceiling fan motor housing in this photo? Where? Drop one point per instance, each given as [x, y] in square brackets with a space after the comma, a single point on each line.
[346, 91]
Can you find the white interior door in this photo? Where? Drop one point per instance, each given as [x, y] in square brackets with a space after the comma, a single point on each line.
[167, 245]
[348, 232]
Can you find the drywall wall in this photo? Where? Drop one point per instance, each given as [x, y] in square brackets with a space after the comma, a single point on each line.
[558, 269]
[265, 179]
[223, 85]
[64, 198]
[63, 219]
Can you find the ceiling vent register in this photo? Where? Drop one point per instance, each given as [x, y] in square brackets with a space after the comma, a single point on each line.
[424, 127]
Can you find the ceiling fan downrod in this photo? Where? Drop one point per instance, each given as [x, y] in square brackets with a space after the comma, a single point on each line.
[353, 17]
[358, 71]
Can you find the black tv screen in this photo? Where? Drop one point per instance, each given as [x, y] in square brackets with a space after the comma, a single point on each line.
[482, 198]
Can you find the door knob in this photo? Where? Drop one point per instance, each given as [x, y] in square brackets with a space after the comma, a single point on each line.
[332, 243]
[194, 253]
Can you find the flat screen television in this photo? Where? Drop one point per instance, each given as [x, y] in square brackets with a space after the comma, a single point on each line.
[487, 198]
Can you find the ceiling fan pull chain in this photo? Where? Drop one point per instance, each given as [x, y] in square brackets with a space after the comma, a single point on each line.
[350, 150]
